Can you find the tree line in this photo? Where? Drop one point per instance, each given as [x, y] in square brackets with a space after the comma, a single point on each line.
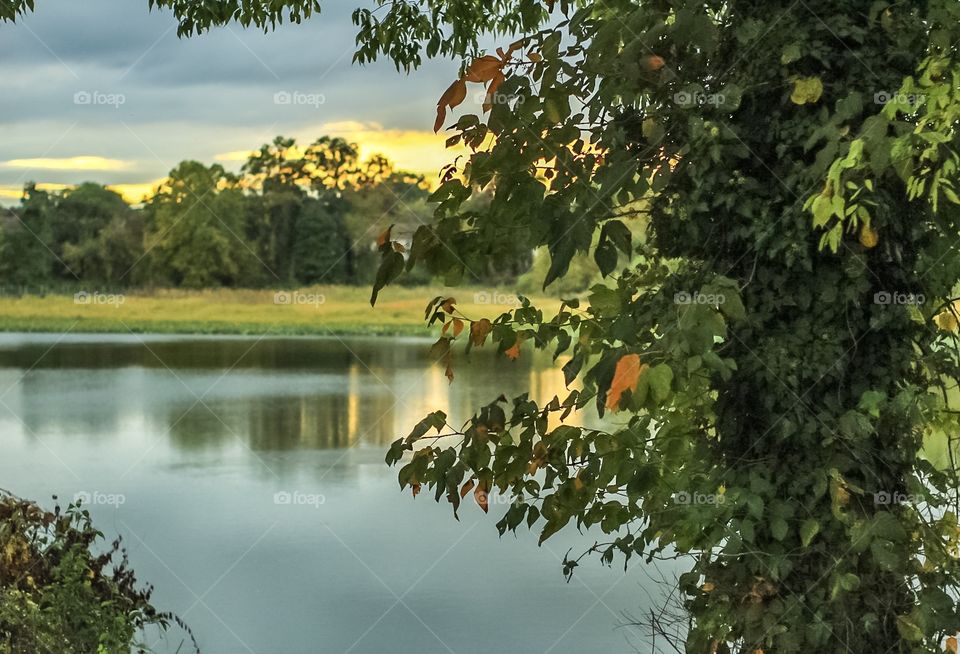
[293, 215]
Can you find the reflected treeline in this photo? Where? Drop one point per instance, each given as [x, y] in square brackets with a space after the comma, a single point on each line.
[272, 394]
[204, 352]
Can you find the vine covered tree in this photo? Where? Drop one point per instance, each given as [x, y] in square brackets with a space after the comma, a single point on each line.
[784, 338]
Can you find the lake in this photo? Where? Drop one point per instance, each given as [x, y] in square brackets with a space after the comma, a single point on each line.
[246, 478]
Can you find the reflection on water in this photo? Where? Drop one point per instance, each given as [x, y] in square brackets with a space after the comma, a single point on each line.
[273, 394]
[199, 435]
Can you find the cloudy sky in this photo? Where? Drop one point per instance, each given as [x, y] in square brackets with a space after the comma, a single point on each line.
[103, 90]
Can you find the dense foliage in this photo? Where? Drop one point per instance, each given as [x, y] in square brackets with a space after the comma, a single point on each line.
[58, 593]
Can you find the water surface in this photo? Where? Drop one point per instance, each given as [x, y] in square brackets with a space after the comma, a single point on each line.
[246, 477]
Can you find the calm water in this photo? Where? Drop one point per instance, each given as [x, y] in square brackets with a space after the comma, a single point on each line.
[184, 443]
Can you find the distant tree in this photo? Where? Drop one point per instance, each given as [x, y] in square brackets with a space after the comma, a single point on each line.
[195, 228]
[321, 251]
[27, 245]
[99, 237]
[285, 175]
[384, 198]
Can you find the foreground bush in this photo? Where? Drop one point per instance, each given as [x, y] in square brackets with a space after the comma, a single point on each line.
[61, 591]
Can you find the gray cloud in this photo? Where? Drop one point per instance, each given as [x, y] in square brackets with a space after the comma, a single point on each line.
[109, 78]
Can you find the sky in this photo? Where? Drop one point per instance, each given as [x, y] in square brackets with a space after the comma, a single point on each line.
[105, 91]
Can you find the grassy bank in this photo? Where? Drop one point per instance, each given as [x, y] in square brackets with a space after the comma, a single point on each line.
[315, 310]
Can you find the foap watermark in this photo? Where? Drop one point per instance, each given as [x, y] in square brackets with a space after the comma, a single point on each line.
[886, 498]
[298, 498]
[699, 99]
[898, 298]
[711, 299]
[299, 297]
[498, 98]
[885, 97]
[299, 99]
[97, 498]
[487, 297]
[99, 98]
[684, 498]
[114, 300]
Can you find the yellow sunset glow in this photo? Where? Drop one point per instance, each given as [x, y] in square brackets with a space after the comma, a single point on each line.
[138, 192]
[417, 151]
[16, 192]
[132, 193]
[68, 163]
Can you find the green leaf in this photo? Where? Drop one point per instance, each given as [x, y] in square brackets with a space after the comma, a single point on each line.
[778, 528]
[605, 301]
[790, 54]
[390, 268]
[809, 528]
[660, 378]
[849, 581]
[908, 629]
[606, 257]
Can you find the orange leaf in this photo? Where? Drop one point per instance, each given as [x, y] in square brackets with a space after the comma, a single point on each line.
[483, 69]
[416, 489]
[441, 116]
[495, 83]
[466, 488]
[457, 327]
[479, 331]
[384, 237]
[952, 645]
[534, 57]
[653, 62]
[625, 377]
[513, 353]
[480, 495]
[453, 96]
[447, 304]
[449, 372]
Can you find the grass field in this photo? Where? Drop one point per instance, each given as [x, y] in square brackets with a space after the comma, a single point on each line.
[315, 310]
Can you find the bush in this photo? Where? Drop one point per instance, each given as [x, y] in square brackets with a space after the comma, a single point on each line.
[58, 594]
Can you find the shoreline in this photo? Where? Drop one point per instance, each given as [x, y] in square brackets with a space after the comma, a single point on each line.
[313, 311]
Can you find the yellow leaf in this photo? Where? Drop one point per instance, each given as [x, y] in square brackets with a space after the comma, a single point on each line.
[806, 90]
[707, 587]
[625, 377]
[946, 321]
[868, 237]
